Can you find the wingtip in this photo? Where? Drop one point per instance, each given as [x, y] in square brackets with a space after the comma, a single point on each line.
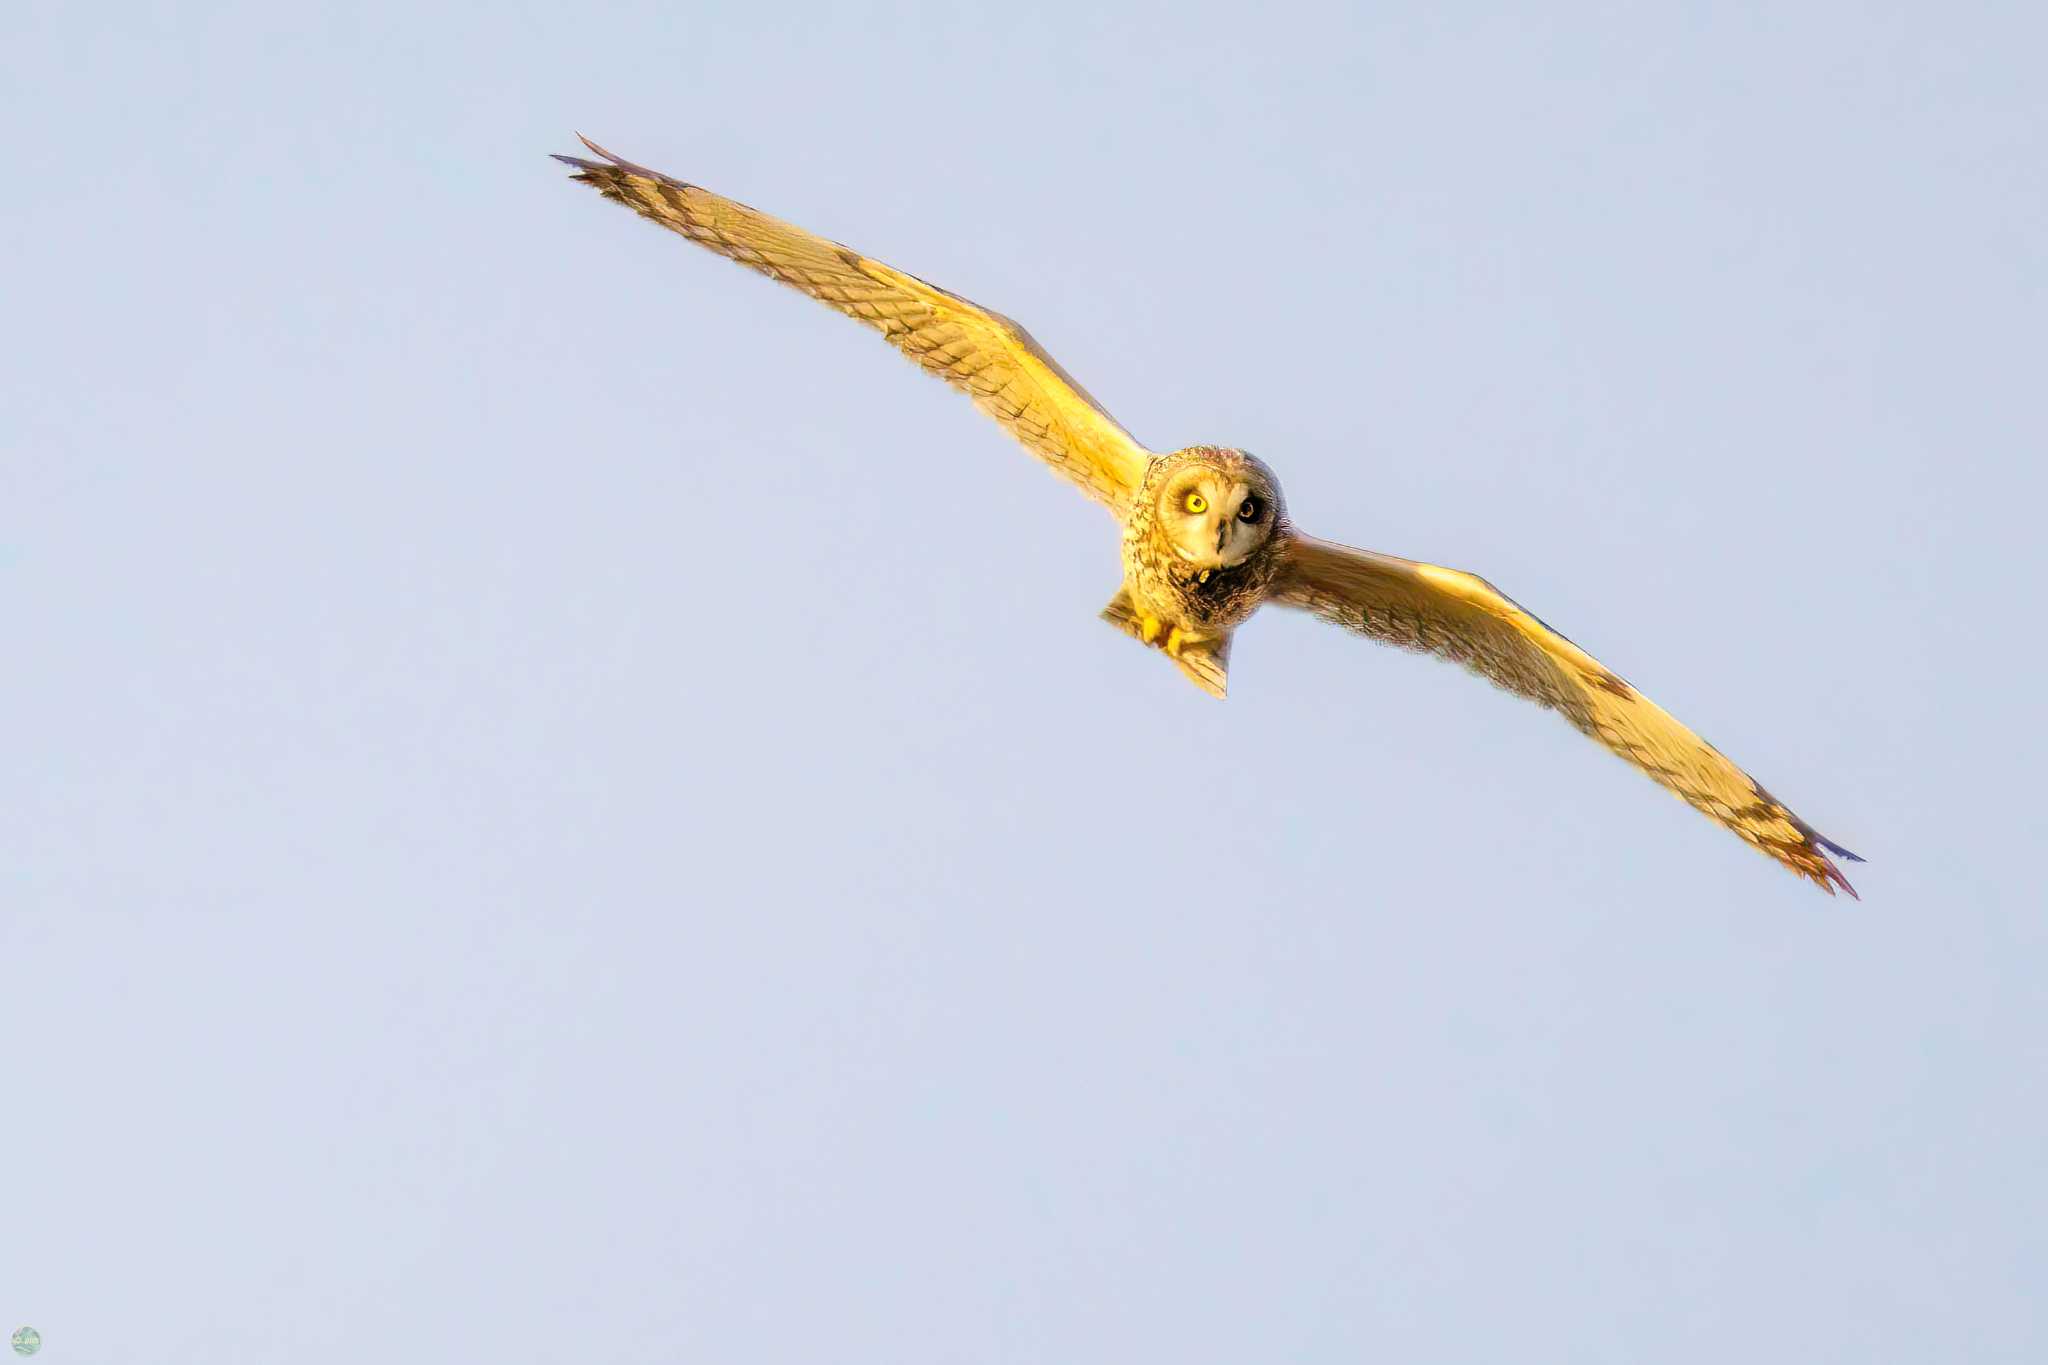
[1831, 876]
[616, 163]
[580, 164]
[1816, 847]
[1829, 844]
[613, 163]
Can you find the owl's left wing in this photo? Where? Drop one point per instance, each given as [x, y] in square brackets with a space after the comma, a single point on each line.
[1464, 618]
[981, 353]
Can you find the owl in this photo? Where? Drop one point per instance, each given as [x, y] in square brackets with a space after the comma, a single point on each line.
[1206, 536]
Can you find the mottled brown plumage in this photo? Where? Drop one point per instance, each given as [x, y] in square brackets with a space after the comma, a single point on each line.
[1193, 574]
[981, 353]
[1206, 537]
[1464, 618]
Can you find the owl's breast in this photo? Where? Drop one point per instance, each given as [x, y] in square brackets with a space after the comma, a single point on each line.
[1209, 599]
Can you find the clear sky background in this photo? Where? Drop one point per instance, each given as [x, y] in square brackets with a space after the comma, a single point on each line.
[561, 802]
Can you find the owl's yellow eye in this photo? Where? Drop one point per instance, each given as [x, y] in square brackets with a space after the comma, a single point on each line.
[1196, 503]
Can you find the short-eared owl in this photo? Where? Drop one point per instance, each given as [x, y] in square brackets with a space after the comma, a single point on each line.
[1206, 534]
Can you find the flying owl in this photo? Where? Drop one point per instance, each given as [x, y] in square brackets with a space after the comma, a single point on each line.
[1207, 539]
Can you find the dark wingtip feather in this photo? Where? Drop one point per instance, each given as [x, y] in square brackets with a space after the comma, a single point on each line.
[617, 162]
[630, 168]
[1832, 874]
[1831, 846]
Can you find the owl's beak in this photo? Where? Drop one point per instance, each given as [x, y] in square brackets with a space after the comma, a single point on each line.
[1222, 534]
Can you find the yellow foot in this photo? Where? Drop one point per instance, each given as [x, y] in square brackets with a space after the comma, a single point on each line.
[1178, 639]
[1150, 626]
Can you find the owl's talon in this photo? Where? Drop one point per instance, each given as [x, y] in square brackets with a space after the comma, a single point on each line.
[1175, 638]
[1150, 626]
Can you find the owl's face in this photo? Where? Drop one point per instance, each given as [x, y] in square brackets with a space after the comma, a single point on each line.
[1216, 508]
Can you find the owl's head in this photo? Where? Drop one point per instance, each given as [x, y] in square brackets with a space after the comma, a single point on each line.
[1214, 508]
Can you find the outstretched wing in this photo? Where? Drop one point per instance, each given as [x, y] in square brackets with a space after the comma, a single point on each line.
[983, 354]
[1464, 618]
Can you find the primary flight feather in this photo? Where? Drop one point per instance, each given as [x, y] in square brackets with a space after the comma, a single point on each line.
[1206, 535]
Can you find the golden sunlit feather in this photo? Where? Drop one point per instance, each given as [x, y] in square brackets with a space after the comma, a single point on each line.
[1461, 617]
[1189, 614]
[981, 353]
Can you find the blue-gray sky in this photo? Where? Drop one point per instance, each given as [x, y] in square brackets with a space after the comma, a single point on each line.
[563, 803]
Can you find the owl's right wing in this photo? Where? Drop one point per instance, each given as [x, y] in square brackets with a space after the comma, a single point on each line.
[981, 353]
[1464, 618]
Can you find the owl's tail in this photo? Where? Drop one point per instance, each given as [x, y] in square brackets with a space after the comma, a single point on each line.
[1205, 664]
